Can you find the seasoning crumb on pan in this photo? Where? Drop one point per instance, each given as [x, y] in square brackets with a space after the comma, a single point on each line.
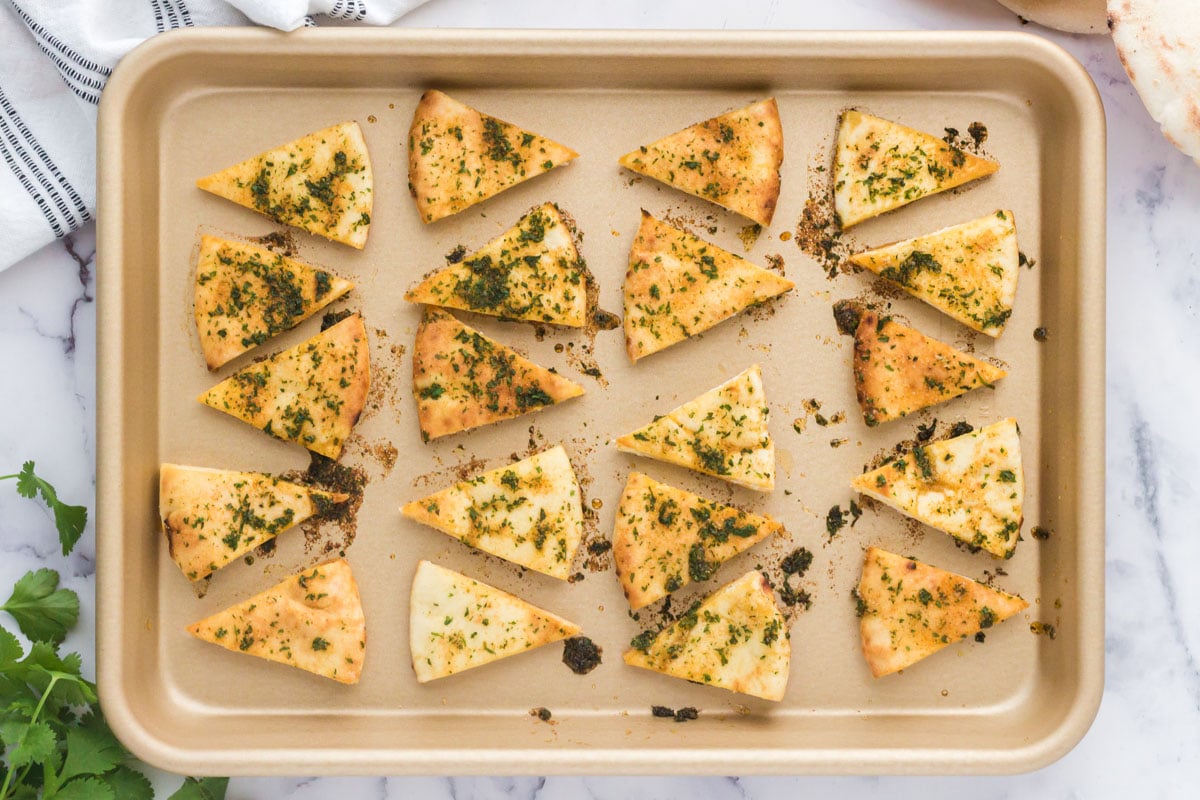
[1040, 333]
[1043, 629]
[581, 654]
[541, 713]
[662, 711]
[687, 713]
[1040, 533]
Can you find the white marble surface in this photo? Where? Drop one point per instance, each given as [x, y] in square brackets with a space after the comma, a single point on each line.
[1145, 741]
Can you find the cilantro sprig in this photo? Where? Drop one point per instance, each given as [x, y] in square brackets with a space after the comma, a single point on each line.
[70, 520]
[54, 742]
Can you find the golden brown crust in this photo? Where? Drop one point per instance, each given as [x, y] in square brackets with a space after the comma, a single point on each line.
[732, 160]
[910, 610]
[971, 487]
[678, 285]
[967, 271]
[531, 272]
[311, 394]
[462, 379]
[735, 639]
[458, 157]
[881, 165]
[246, 293]
[899, 370]
[321, 182]
[313, 621]
[213, 516]
[665, 538]
[527, 512]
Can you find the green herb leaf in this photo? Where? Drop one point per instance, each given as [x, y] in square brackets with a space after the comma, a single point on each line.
[201, 789]
[10, 650]
[91, 749]
[129, 784]
[43, 611]
[86, 789]
[70, 520]
[29, 743]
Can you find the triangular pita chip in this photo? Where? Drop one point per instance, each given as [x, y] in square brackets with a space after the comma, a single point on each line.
[457, 623]
[462, 379]
[458, 157]
[971, 487]
[212, 516]
[532, 272]
[678, 285]
[310, 394]
[247, 293]
[899, 370]
[313, 621]
[881, 166]
[731, 160]
[722, 432]
[968, 271]
[911, 610]
[528, 512]
[665, 538]
[320, 182]
[735, 639]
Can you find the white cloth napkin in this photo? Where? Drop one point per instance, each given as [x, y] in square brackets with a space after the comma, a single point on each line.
[55, 57]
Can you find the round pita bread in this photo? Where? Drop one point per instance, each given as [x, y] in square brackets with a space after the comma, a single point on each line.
[1159, 44]
[1073, 16]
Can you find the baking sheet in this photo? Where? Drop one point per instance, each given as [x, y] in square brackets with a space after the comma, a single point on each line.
[192, 102]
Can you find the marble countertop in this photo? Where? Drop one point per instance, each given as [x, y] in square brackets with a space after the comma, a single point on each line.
[1146, 739]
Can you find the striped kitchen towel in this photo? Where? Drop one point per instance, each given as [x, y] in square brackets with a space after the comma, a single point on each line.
[55, 57]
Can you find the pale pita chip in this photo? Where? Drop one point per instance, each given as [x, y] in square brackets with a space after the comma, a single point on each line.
[881, 166]
[528, 512]
[246, 293]
[530, 272]
[967, 271]
[899, 370]
[910, 610]
[457, 623]
[735, 639]
[723, 432]
[320, 182]
[731, 160]
[458, 156]
[313, 621]
[678, 285]
[213, 516]
[311, 394]
[665, 538]
[971, 487]
[462, 379]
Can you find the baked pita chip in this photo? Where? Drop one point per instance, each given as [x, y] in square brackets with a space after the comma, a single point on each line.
[311, 394]
[456, 623]
[665, 538]
[458, 156]
[462, 379]
[528, 512]
[971, 487]
[313, 621]
[731, 160]
[723, 432]
[321, 182]
[899, 370]
[247, 293]
[910, 610]
[968, 271]
[678, 285]
[881, 166]
[735, 639]
[213, 516]
[531, 272]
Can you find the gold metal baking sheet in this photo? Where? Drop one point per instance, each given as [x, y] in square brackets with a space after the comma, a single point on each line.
[188, 103]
